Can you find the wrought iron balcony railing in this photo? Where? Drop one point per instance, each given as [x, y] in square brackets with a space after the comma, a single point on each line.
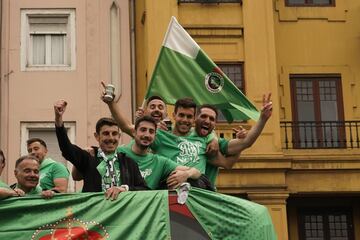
[325, 134]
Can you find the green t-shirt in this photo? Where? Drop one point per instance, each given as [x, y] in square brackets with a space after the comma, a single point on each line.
[153, 168]
[35, 191]
[50, 170]
[187, 151]
[4, 185]
[212, 171]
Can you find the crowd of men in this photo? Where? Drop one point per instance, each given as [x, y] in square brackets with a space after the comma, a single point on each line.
[160, 155]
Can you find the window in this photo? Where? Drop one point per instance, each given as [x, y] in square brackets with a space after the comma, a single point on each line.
[317, 111]
[329, 223]
[235, 72]
[48, 40]
[310, 2]
[46, 131]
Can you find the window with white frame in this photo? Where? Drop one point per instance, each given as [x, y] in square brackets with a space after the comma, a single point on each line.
[48, 39]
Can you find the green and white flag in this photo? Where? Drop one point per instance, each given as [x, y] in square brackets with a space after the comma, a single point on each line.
[134, 215]
[184, 70]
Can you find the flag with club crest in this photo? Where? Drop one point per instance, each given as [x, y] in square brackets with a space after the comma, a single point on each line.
[184, 70]
[134, 215]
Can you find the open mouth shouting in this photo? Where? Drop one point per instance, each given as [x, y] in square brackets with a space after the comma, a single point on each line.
[156, 115]
[204, 130]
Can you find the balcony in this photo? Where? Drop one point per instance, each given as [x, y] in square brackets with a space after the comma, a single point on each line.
[320, 135]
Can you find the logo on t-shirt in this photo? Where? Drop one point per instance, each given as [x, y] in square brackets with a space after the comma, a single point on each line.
[189, 152]
[147, 172]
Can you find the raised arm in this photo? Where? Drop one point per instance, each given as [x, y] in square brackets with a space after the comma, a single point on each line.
[59, 110]
[221, 161]
[236, 146]
[72, 153]
[124, 124]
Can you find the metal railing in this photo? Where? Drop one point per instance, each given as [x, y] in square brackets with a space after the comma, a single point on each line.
[316, 135]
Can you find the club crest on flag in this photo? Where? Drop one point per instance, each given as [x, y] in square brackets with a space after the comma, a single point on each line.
[71, 228]
[182, 70]
[214, 82]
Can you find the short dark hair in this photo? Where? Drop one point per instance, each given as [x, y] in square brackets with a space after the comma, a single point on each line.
[104, 121]
[185, 103]
[212, 107]
[145, 119]
[22, 158]
[2, 157]
[153, 98]
[32, 140]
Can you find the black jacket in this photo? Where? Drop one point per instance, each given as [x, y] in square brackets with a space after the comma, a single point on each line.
[86, 164]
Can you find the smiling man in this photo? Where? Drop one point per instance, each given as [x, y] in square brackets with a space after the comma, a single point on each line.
[27, 170]
[189, 148]
[205, 124]
[178, 145]
[155, 168]
[53, 175]
[155, 107]
[107, 171]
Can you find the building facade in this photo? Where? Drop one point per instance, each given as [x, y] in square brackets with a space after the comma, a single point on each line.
[54, 50]
[305, 165]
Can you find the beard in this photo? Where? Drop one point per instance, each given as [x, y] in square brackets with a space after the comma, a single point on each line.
[157, 115]
[142, 145]
[203, 130]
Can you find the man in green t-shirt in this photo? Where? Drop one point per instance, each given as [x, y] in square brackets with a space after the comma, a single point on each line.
[27, 175]
[53, 175]
[153, 167]
[154, 107]
[186, 147]
[205, 124]
[177, 145]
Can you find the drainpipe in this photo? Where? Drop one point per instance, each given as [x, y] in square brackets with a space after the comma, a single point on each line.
[133, 56]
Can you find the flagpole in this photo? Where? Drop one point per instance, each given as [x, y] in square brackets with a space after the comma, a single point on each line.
[143, 104]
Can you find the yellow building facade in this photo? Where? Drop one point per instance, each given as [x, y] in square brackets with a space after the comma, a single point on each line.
[305, 166]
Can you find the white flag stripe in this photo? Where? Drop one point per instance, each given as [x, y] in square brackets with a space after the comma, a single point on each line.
[177, 39]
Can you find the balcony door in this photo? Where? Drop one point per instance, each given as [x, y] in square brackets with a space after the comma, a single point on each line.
[317, 111]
